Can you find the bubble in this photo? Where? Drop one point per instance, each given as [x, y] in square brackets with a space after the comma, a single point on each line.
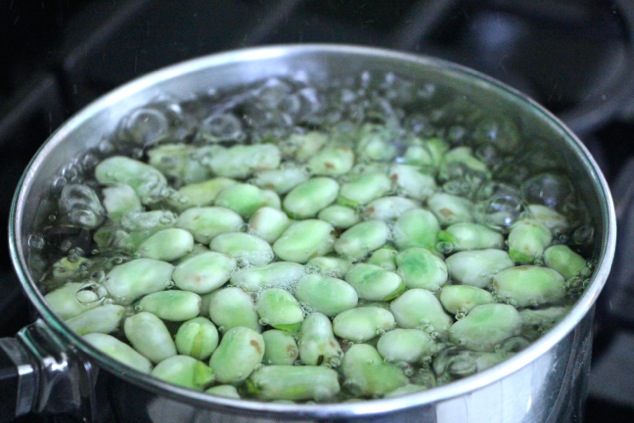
[145, 126]
[81, 206]
[36, 242]
[220, 128]
[549, 189]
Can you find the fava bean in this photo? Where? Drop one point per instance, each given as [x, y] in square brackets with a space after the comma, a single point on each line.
[304, 240]
[420, 268]
[245, 248]
[339, 216]
[279, 274]
[412, 183]
[450, 209]
[486, 326]
[527, 241]
[330, 266]
[326, 295]
[305, 146]
[428, 154]
[535, 322]
[408, 345]
[331, 161]
[206, 223]
[120, 200]
[136, 278]
[102, 319]
[469, 236]
[281, 180]
[245, 199]
[553, 220]
[121, 352]
[241, 161]
[566, 262]
[362, 239]
[228, 391]
[477, 267]
[184, 371]
[279, 347]
[529, 286]
[373, 283]
[167, 245]
[204, 272]
[278, 308]
[148, 183]
[375, 143]
[65, 300]
[176, 162]
[149, 221]
[363, 323]
[416, 228]
[363, 188]
[200, 194]
[420, 309]
[462, 298]
[308, 198]
[240, 351]
[317, 343]
[293, 383]
[268, 223]
[388, 208]
[232, 307]
[197, 338]
[367, 374]
[172, 305]
[384, 257]
[149, 336]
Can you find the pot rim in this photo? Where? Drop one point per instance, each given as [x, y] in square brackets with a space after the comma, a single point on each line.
[366, 407]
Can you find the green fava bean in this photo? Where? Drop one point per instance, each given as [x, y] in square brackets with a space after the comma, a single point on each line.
[408, 345]
[363, 323]
[148, 183]
[102, 319]
[416, 228]
[278, 308]
[177, 162]
[172, 305]
[373, 283]
[566, 262]
[462, 298]
[128, 281]
[420, 309]
[388, 208]
[149, 336]
[268, 223]
[281, 180]
[469, 236]
[241, 161]
[245, 248]
[228, 391]
[232, 307]
[412, 183]
[364, 188]
[308, 198]
[204, 272]
[168, 245]
[240, 351]
[293, 383]
[462, 158]
[384, 257]
[362, 239]
[150, 221]
[245, 199]
[120, 351]
[420, 268]
[529, 286]
[450, 209]
[305, 146]
[410, 388]
[197, 338]
[184, 371]
[200, 194]
[65, 301]
[367, 374]
[64, 270]
[486, 326]
[339, 216]
[330, 266]
[119, 200]
[477, 267]
[326, 295]
[279, 347]
[205, 223]
[375, 143]
[527, 241]
[537, 322]
[304, 240]
[553, 220]
[279, 274]
[428, 154]
[317, 343]
[331, 161]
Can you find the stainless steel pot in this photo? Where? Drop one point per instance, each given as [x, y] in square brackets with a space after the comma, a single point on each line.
[57, 372]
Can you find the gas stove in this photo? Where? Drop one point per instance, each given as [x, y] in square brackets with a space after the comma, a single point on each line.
[576, 57]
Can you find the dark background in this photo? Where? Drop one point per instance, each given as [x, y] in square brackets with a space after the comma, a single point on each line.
[576, 57]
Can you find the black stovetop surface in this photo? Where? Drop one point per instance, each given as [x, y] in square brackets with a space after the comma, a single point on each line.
[576, 57]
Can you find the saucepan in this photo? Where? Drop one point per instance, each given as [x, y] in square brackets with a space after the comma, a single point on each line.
[47, 368]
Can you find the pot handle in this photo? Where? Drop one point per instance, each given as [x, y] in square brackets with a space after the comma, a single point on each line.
[40, 373]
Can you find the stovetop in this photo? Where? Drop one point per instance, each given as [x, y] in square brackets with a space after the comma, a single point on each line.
[576, 57]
